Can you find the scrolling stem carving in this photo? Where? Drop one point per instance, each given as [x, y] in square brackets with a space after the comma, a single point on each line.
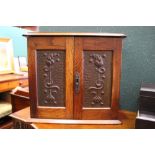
[99, 61]
[50, 89]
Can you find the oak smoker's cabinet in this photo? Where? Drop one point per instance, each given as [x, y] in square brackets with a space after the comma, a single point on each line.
[74, 75]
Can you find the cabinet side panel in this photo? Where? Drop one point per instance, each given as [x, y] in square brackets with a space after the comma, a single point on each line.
[97, 79]
[51, 78]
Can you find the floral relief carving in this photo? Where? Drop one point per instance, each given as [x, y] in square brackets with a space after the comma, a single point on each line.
[50, 89]
[99, 62]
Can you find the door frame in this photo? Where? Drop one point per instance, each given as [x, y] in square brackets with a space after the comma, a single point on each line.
[97, 43]
[51, 43]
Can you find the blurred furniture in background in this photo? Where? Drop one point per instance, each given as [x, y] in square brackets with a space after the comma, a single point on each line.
[5, 110]
[146, 113]
[11, 81]
[20, 65]
[23, 64]
[20, 98]
[7, 83]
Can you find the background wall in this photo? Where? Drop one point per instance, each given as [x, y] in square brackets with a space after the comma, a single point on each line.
[19, 42]
[138, 59]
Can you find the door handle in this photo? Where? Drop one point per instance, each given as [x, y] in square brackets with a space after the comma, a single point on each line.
[77, 82]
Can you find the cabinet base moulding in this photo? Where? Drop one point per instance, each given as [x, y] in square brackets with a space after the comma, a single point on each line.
[68, 121]
[126, 120]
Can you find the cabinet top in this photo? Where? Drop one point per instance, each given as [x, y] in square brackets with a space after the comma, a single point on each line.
[35, 34]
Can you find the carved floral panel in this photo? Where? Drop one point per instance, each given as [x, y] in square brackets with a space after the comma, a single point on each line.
[97, 78]
[51, 78]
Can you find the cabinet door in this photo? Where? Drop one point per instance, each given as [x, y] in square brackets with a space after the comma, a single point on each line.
[51, 76]
[97, 69]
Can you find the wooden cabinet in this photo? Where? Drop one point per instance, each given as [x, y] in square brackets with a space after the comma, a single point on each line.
[20, 98]
[74, 75]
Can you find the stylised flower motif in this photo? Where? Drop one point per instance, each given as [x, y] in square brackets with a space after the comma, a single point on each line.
[98, 60]
[52, 58]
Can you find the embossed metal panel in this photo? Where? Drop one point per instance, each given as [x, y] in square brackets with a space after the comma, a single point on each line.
[97, 79]
[51, 78]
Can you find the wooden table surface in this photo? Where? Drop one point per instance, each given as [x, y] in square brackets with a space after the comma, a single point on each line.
[11, 77]
[11, 81]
